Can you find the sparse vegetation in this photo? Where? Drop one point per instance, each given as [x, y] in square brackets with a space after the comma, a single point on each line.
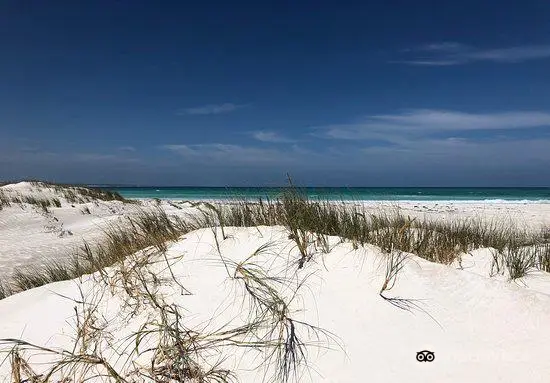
[139, 242]
[437, 241]
[309, 223]
[4, 200]
[72, 194]
[394, 263]
[35, 276]
[543, 256]
[5, 290]
[83, 195]
[176, 352]
[43, 203]
[147, 229]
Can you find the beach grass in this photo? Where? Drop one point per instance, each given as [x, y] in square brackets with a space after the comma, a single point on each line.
[5, 290]
[149, 228]
[309, 222]
[271, 326]
[177, 352]
[71, 193]
[440, 241]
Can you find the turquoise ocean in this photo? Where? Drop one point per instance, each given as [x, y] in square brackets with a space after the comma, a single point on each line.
[341, 193]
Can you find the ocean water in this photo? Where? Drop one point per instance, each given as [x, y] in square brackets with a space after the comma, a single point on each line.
[342, 194]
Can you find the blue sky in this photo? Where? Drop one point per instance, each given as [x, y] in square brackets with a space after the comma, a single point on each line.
[212, 93]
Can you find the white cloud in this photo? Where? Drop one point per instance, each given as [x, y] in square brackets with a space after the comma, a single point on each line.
[428, 62]
[127, 149]
[232, 154]
[43, 156]
[102, 157]
[443, 46]
[433, 144]
[211, 109]
[450, 53]
[511, 55]
[420, 122]
[462, 153]
[273, 137]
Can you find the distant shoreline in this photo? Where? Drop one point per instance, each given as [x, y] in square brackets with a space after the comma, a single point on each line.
[348, 194]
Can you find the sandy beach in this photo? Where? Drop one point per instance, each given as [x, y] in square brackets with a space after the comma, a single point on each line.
[480, 325]
[57, 233]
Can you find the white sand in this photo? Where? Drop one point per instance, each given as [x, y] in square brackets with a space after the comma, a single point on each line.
[487, 330]
[28, 234]
[529, 214]
[481, 328]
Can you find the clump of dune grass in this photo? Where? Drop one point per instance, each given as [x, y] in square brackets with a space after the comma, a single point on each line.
[519, 259]
[272, 326]
[148, 229]
[71, 194]
[394, 264]
[174, 205]
[49, 271]
[297, 215]
[395, 261]
[4, 200]
[77, 193]
[542, 254]
[5, 290]
[82, 194]
[43, 203]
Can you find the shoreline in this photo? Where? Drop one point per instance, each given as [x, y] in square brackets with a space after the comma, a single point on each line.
[349, 201]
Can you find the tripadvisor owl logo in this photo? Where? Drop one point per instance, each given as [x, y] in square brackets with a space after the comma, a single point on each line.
[425, 356]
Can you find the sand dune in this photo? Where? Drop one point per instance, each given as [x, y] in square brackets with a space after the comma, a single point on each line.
[28, 234]
[481, 328]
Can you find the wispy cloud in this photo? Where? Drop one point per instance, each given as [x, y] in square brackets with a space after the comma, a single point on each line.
[429, 62]
[433, 144]
[126, 149]
[422, 122]
[273, 137]
[211, 109]
[442, 46]
[217, 153]
[463, 155]
[42, 156]
[103, 157]
[452, 53]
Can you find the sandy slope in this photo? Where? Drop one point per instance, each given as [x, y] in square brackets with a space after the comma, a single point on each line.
[28, 234]
[481, 329]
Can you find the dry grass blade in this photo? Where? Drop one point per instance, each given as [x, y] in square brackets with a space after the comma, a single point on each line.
[270, 321]
[394, 264]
